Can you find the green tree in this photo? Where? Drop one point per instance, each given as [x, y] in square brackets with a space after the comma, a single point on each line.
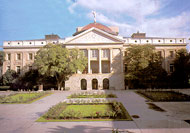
[8, 77]
[61, 63]
[2, 56]
[181, 75]
[143, 66]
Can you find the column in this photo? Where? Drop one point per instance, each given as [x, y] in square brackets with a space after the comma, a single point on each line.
[100, 61]
[110, 60]
[121, 58]
[89, 61]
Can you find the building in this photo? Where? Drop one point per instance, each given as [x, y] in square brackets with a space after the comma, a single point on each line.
[104, 48]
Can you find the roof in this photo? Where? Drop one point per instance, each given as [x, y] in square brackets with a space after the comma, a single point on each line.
[98, 26]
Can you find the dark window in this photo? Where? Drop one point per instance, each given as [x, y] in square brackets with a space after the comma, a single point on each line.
[8, 68]
[135, 40]
[171, 54]
[8, 56]
[147, 41]
[83, 84]
[94, 84]
[180, 40]
[18, 56]
[42, 42]
[30, 67]
[170, 40]
[171, 68]
[30, 43]
[18, 69]
[106, 84]
[30, 56]
[160, 54]
[158, 40]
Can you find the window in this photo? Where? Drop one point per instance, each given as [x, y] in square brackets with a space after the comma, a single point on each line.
[8, 42]
[135, 40]
[18, 57]
[170, 40]
[84, 51]
[158, 40]
[42, 42]
[171, 54]
[94, 53]
[18, 43]
[18, 69]
[147, 41]
[180, 40]
[30, 43]
[105, 53]
[171, 68]
[53, 42]
[30, 68]
[160, 54]
[8, 56]
[30, 56]
[8, 68]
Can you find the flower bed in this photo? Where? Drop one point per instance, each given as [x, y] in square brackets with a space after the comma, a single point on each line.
[107, 111]
[164, 96]
[92, 95]
[19, 98]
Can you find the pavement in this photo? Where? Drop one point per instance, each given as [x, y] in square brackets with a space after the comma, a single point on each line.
[20, 118]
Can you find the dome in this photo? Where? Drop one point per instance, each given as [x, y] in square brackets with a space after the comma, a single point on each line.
[98, 26]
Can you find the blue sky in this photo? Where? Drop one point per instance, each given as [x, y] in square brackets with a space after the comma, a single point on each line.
[32, 19]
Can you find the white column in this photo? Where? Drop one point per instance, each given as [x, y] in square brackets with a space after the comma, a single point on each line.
[110, 60]
[100, 61]
[121, 55]
[89, 61]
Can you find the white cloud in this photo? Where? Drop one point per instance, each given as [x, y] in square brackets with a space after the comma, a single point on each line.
[112, 12]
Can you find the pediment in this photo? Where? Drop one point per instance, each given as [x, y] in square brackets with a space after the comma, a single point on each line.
[94, 36]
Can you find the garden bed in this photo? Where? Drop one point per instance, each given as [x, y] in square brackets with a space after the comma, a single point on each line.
[92, 95]
[20, 98]
[104, 111]
[164, 96]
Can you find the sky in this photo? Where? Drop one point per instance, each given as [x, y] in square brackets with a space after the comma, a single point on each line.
[32, 19]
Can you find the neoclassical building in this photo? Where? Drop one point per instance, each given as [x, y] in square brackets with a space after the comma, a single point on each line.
[104, 48]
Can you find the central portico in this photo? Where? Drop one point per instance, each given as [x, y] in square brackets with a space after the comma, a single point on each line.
[103, 48]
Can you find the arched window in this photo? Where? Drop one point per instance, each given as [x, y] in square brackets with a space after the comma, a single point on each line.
[94, 84]
[83, 84]
[106, 84]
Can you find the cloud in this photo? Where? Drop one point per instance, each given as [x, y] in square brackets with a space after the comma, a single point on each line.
[133, 8]
[131, 16]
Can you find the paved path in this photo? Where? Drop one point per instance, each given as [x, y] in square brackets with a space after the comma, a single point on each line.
[20, 118]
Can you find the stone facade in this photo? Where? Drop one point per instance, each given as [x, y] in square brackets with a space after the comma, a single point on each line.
[104, 51]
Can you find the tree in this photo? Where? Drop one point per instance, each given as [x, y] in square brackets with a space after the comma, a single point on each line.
[144, 67]
[9, 77]
[181, 75]
[2, 56]
[56, 61]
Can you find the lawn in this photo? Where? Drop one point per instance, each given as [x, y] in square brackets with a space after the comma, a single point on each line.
[86, 112]
[92, 95]
[20, 98]
[164, 96]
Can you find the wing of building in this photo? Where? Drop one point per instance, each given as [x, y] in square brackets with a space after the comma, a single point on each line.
[104, 49]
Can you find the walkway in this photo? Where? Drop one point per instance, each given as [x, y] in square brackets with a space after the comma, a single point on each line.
[20, 118]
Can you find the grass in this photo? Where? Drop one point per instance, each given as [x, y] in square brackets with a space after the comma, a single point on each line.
[20, 98]
[155, 107]
[164, 96]
[87, 112]
[92, 95]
